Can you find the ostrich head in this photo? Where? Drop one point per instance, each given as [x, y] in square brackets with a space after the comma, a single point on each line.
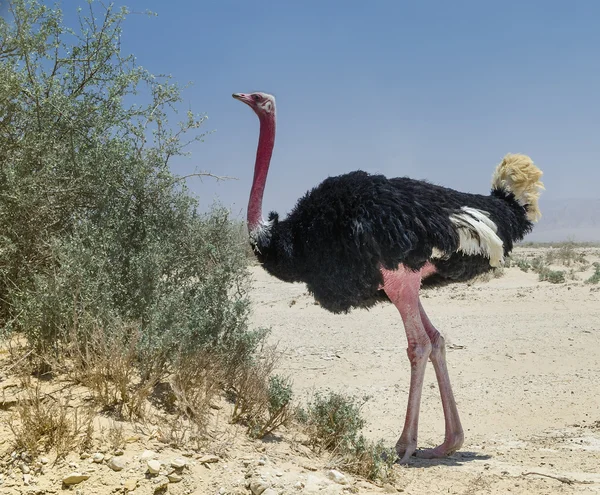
[263, 104]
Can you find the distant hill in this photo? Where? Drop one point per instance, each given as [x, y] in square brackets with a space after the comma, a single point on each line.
[568, 219]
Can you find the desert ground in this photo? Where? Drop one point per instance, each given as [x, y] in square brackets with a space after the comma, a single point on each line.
[524, 360]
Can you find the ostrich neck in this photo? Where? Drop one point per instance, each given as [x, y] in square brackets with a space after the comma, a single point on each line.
[266, 141]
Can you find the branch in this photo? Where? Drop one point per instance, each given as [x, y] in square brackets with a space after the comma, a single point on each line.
[562, 479]
[204, 174]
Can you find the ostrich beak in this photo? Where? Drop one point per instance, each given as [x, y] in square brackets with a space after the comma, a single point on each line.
[242, 97]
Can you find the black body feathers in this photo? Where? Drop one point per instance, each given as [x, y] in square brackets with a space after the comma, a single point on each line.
[341, 232]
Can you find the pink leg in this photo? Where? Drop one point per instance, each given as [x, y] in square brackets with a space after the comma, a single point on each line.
[454, 435]
[402, 287]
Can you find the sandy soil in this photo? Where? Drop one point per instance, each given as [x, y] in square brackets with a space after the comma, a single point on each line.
[525, 363]
[523, 357]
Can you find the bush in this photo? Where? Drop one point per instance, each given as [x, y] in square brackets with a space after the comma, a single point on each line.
[595, 278]
[552, 276]
[333, 422]
[106, 264]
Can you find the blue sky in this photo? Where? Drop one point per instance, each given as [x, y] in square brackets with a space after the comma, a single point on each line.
[436, 90]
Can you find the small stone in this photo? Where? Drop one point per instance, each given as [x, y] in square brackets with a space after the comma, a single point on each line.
[208, 459]
[174, 477]
[24, 468]
[117, 463]
[258, 486]
[130, 484]
[178, 463]
[298, 485]
[161, 483]
[44, 460]
[261, 462]
[27, 479]
[389, 488]
[269, 491]
[153, 466]
[75, 478]
[98, 457]
[73, 465]
[147, 455]
[336, 476]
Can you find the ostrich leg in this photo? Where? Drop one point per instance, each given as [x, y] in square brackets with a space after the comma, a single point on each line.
[402, 287]
[454, 436]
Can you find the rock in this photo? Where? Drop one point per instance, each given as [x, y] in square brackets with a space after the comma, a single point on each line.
[98, 457]
[84, 455]
[24, 468]
[269, 491]
[262, 462]
[336, 476]
[208, 459]
[153, 466]
[44, 460]
[258, 486]
[117, 463]
[389, 488]
[179, 463]
[147, 455]
[75, 478]
[161, 483]
[174, 477]
[130, 484]
[27, 479]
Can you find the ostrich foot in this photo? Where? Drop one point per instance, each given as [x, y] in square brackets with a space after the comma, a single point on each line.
[405, 450]
[444, 450]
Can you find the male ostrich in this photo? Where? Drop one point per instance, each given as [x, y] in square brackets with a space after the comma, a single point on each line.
[358, 238]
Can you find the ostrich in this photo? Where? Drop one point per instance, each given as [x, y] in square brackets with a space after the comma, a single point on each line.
[359, 238]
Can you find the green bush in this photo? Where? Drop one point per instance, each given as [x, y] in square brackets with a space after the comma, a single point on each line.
[333, 423]
[595, 278]
[96, 233]
[552, 276]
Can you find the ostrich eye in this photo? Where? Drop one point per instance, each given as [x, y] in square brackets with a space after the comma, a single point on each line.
[256, 97]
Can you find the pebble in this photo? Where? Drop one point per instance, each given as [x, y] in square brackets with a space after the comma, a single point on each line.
[153, 466]
[174, 477]
[208, 459]
[258, 486]
[147, 455]
[44, 460]
[24, 468]
[27, 479]
[269, 491]
[130, 484]
[98, 457]
[117, 463]
[161, 483]
[336, 476]
[75, 478]
[178, 463]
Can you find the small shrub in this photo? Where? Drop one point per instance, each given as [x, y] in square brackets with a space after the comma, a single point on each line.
[595, 278]
[333, 420]
[43, 423]
[333, 423]
[262, 400]
[552, 276]
[372, 460]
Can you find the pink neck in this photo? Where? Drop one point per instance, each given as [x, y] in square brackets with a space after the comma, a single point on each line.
[266, 141]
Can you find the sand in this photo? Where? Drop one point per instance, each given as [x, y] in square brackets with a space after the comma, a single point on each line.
[524, 359]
